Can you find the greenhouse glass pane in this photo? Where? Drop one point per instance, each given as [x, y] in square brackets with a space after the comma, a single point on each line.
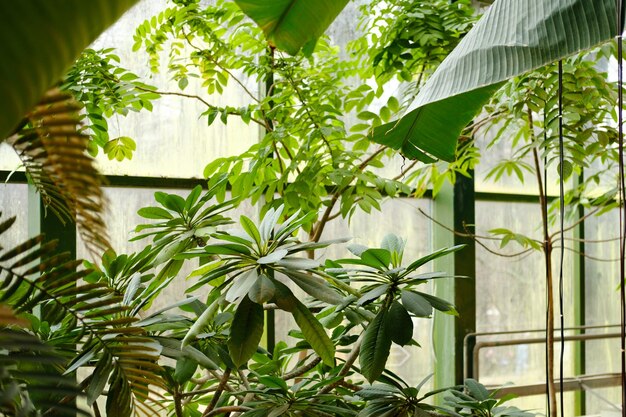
[9, 160]
[511, 295]
[602, 306]
[14, 202]
[173, 140]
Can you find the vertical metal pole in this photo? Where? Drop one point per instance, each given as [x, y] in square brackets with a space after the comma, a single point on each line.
[454, 206]
[464, 265]
[580, 403]
[443, 325]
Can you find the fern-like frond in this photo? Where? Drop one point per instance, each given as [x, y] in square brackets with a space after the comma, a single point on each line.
[53, 151]
[90, 316]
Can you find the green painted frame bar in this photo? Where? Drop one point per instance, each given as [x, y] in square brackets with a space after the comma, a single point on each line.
[454, 208]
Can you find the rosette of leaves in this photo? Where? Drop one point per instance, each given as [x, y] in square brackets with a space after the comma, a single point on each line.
[396, 399]
[183, 224]
[245, 273]
[475, 400]
[274, 397]
[390, 288]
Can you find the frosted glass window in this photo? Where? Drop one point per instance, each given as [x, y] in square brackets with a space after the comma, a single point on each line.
[14, 202]
[602, 306]
[510, 296]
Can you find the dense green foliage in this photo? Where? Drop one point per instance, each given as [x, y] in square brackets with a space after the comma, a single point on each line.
[205, 355]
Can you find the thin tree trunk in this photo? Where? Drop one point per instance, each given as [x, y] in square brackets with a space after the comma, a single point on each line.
[547, 254]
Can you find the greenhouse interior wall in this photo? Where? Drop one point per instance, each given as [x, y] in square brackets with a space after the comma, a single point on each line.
[501, 299]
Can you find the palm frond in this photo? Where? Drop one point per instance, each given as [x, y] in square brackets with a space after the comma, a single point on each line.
[89, 316]
[53, 151]
[31, 376]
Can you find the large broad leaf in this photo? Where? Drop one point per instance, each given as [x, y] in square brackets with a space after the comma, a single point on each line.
[291, 24]
[246, 331]
[312, 330]
[375, 347]
[40, 40]
[513, 37]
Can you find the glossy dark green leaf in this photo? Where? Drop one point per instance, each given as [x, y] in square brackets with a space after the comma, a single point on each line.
[170, 201]
[312, 330]
[263, 290]
[375, 347]
[185, 368]
[399, 324]
[416, 304]
[373, 294]
[251, 229]
[246, 331]
[290, 24]
[512, 37]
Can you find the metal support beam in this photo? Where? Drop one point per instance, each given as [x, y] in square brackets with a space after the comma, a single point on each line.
[454, 206]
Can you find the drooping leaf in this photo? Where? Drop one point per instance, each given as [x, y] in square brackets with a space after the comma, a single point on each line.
[241, 285]
[246, 331]
[41, 40]
[290, 24]
[315, 287]
[399, 324]
[154, 213]
[416, 304]
[263, 290]
[312, 330]
[512, 37]
[375, 347]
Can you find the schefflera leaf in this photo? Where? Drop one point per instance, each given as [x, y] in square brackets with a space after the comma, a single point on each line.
[246, 331]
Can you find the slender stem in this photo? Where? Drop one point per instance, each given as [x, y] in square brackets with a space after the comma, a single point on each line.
[203, 101]
[227, 409]
[244, 379]
[218, 393]
[321, 224]
[352, 356]
[547, 252]
[178, 405]
[302, 369]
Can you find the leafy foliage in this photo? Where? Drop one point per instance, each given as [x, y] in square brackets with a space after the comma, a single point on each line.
[475, 400]
[461, 85]
[53, 153]
[383, 276]
[106, 89]
[48, 292]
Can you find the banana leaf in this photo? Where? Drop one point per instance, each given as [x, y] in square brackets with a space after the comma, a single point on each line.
[291, 24]
[512, 37]
[40, 40]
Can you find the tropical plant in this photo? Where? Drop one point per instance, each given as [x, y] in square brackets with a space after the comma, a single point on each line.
[476, 401]
[381, 274]
[461, 85]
